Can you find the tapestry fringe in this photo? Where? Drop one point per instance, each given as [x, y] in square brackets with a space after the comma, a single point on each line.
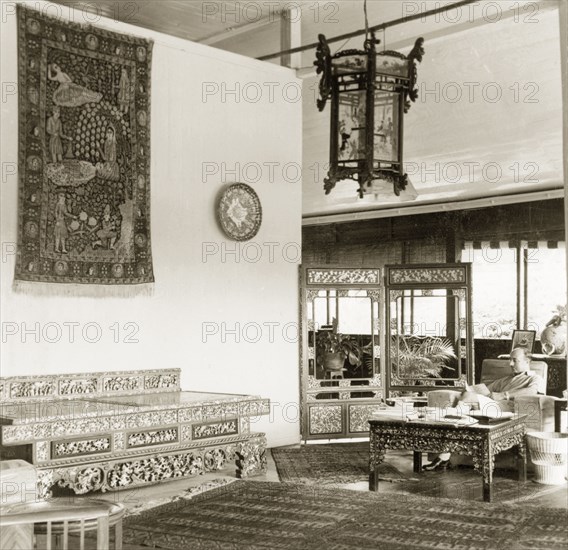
[82, 290]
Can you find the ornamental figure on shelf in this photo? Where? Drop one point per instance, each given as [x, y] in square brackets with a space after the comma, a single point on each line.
[553, 337]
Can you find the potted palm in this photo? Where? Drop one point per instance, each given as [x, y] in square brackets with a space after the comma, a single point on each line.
[333, 349]
[422, 358]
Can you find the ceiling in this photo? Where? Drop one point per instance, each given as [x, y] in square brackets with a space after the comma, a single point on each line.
[215, 22]
[455, 150]
[198, 21]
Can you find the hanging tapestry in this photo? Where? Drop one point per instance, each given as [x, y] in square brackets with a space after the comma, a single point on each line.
[84, 154]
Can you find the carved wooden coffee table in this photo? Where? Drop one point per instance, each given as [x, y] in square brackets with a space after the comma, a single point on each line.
[481, 442]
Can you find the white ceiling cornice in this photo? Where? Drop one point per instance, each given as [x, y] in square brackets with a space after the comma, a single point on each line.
[434, 207]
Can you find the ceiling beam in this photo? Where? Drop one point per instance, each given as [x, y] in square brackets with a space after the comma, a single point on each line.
[291, 37]
[237, 31]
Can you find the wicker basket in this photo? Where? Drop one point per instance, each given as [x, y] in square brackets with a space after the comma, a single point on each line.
[549, 454]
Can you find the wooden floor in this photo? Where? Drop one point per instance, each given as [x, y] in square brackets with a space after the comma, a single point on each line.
[448, 484]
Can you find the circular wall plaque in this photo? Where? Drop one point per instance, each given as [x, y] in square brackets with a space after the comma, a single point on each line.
[240, 213]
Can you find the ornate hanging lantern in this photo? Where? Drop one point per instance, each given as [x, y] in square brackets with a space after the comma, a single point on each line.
[368, 90]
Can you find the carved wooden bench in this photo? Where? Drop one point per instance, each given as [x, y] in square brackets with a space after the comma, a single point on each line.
[111, 430]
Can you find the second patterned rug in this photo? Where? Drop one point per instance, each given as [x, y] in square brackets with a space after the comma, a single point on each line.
[329, 464]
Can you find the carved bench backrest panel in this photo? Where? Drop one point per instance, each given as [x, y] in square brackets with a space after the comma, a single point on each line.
[91, 384]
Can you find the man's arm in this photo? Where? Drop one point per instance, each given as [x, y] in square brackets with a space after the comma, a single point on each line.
[535, 384]
[497, 388]
[500, 396]
[515, 387]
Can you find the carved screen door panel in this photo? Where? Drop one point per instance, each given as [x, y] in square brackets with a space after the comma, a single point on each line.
[429, 330]
[341, 382]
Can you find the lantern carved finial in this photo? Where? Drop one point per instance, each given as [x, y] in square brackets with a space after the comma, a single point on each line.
[367, 90]
[415, 54]
[323, 64]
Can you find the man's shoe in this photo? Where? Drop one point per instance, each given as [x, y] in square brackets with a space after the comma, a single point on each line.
[437, 464]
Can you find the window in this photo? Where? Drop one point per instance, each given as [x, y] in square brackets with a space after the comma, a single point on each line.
[509, 294]
[546, 285]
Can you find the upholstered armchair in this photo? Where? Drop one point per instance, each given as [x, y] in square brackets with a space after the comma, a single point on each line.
[538, 408]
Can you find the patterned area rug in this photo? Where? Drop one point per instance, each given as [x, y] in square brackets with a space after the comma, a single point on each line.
[335, 463]
[264, 515]
[464, 483]
[187, 494]
[84, 154]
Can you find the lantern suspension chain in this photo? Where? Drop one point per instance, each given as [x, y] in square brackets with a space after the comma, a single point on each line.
[382, 26]
[366, 20]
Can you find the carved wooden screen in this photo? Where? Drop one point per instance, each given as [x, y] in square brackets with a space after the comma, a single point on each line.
[429, 327]
[341, 383]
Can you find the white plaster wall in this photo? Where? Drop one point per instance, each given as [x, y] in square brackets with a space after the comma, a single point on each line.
[253, 288]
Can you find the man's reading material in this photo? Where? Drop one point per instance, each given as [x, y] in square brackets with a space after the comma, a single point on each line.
[480, 389]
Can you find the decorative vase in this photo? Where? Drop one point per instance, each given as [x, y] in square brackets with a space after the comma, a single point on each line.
[553, 339]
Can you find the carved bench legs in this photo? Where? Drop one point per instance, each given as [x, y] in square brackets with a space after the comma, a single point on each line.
[251, 458]
[124, 472]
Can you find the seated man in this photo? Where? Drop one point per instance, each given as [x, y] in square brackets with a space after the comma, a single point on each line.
[502, 391]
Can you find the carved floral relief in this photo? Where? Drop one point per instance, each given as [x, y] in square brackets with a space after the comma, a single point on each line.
[359, 417]
[429, 275]
[325, 419]
[152, 437]
[36, 388]
[214, 430]
[161, 381]
[77, 386]
[121, 383]
[17, 434]
[85, 426]
[81, 447]
[343, 276]
[151, 419]
[119, 441]
[186, 432]
[42, 451]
